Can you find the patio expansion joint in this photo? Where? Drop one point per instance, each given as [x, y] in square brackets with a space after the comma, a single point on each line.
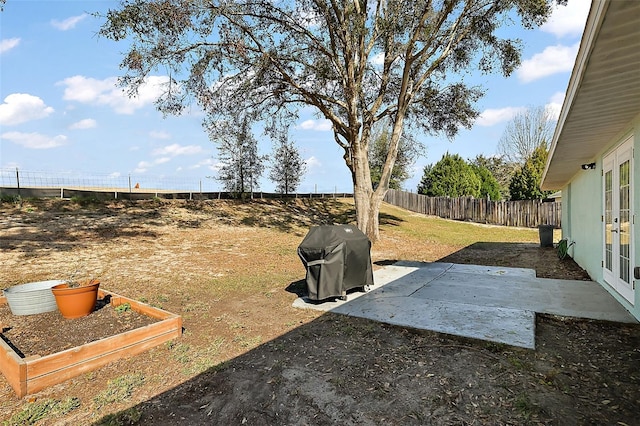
[437, 277]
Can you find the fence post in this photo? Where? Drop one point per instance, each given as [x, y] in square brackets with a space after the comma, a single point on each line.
[18, 183]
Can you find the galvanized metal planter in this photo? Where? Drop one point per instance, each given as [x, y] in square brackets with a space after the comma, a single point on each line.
[32, 298]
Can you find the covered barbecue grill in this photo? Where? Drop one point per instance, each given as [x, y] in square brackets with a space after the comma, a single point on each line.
[337, 258]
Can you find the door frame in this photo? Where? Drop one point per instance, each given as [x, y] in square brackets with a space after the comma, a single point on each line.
[613, 228]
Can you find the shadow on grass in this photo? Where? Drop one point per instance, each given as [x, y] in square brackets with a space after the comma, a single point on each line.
[290, 215]
[43, 224]
[299, 288]
[63, 225]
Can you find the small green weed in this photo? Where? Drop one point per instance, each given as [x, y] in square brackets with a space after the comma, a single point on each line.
[196, 307]
[35, 411]
[84, 201]
[524, 405]
[518, 363]
[181, 353]
[118, 390]
[237, 326]
[196, 360]
[125, 307]
[13, 199]
[248, 342]
[495, 347]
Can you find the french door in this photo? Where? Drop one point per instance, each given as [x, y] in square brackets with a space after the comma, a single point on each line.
[618, 220]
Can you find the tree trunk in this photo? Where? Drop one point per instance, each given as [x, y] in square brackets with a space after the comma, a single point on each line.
[367, 200]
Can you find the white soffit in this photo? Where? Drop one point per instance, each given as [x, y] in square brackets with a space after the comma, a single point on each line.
[604, 90]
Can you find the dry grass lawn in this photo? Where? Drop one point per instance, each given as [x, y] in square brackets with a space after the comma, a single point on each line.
[248, 357]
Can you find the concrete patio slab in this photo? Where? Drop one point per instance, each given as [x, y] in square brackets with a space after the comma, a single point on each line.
[483, 302]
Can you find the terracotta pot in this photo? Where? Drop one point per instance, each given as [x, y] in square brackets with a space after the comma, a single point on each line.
[76, 302]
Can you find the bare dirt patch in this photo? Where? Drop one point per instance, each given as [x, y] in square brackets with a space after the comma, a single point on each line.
[248, 357]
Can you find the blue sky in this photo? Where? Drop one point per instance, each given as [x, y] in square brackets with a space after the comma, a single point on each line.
[60, 111]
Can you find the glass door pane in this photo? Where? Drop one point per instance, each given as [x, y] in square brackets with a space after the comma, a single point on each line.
[608, 219]
[625, 222]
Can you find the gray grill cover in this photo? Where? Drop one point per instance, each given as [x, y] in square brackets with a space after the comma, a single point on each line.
[337, 258]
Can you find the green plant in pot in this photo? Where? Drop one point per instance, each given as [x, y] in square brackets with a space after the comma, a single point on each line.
[76, 299]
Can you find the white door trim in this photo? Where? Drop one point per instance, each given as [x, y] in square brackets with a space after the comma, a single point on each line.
[618, 218]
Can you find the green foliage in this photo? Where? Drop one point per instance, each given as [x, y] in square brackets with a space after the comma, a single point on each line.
[287, 167]
[563, 248]
[452, 176]
[35, 411]
[501, 170]
[12, 199]
[241, 166]
[84, 201]
[525, 184]
[125, 307]
[408, 151]
[489, 186]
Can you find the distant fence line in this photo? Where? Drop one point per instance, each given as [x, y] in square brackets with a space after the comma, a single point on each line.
[136, 194]
[523, 213]
[73, 184]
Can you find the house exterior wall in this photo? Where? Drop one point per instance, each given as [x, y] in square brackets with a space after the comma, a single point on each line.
[582, 213]
[584, 206]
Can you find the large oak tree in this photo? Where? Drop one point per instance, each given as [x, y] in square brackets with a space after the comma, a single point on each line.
[354, 62]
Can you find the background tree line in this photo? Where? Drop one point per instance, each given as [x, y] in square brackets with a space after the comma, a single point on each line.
[241, 167]
[514, 174]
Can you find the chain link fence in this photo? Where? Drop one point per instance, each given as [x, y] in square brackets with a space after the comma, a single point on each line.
[26, 183]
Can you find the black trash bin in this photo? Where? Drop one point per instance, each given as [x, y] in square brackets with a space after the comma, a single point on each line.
[337, 259]
[545, 232]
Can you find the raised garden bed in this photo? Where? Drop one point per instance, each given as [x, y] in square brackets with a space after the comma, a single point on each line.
[32, 373]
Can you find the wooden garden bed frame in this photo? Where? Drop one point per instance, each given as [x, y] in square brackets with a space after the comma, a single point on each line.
[32, 374]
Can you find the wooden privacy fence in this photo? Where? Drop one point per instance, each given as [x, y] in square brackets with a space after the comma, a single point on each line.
[524, 213]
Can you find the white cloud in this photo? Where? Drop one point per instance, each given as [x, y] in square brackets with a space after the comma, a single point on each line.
[106, 92]
[175, 149]
[490, 117]
[555, 104]
[35, 140]
[208, 163]
[115, 175]
[552, 60]
[68, 23]
[21, 107]
[568, 20]
[378, 59]
[319, 125]
[159, 135]
[161, 160]
[7, 44]
[142, 167]
[87, 123]
[313, 163]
